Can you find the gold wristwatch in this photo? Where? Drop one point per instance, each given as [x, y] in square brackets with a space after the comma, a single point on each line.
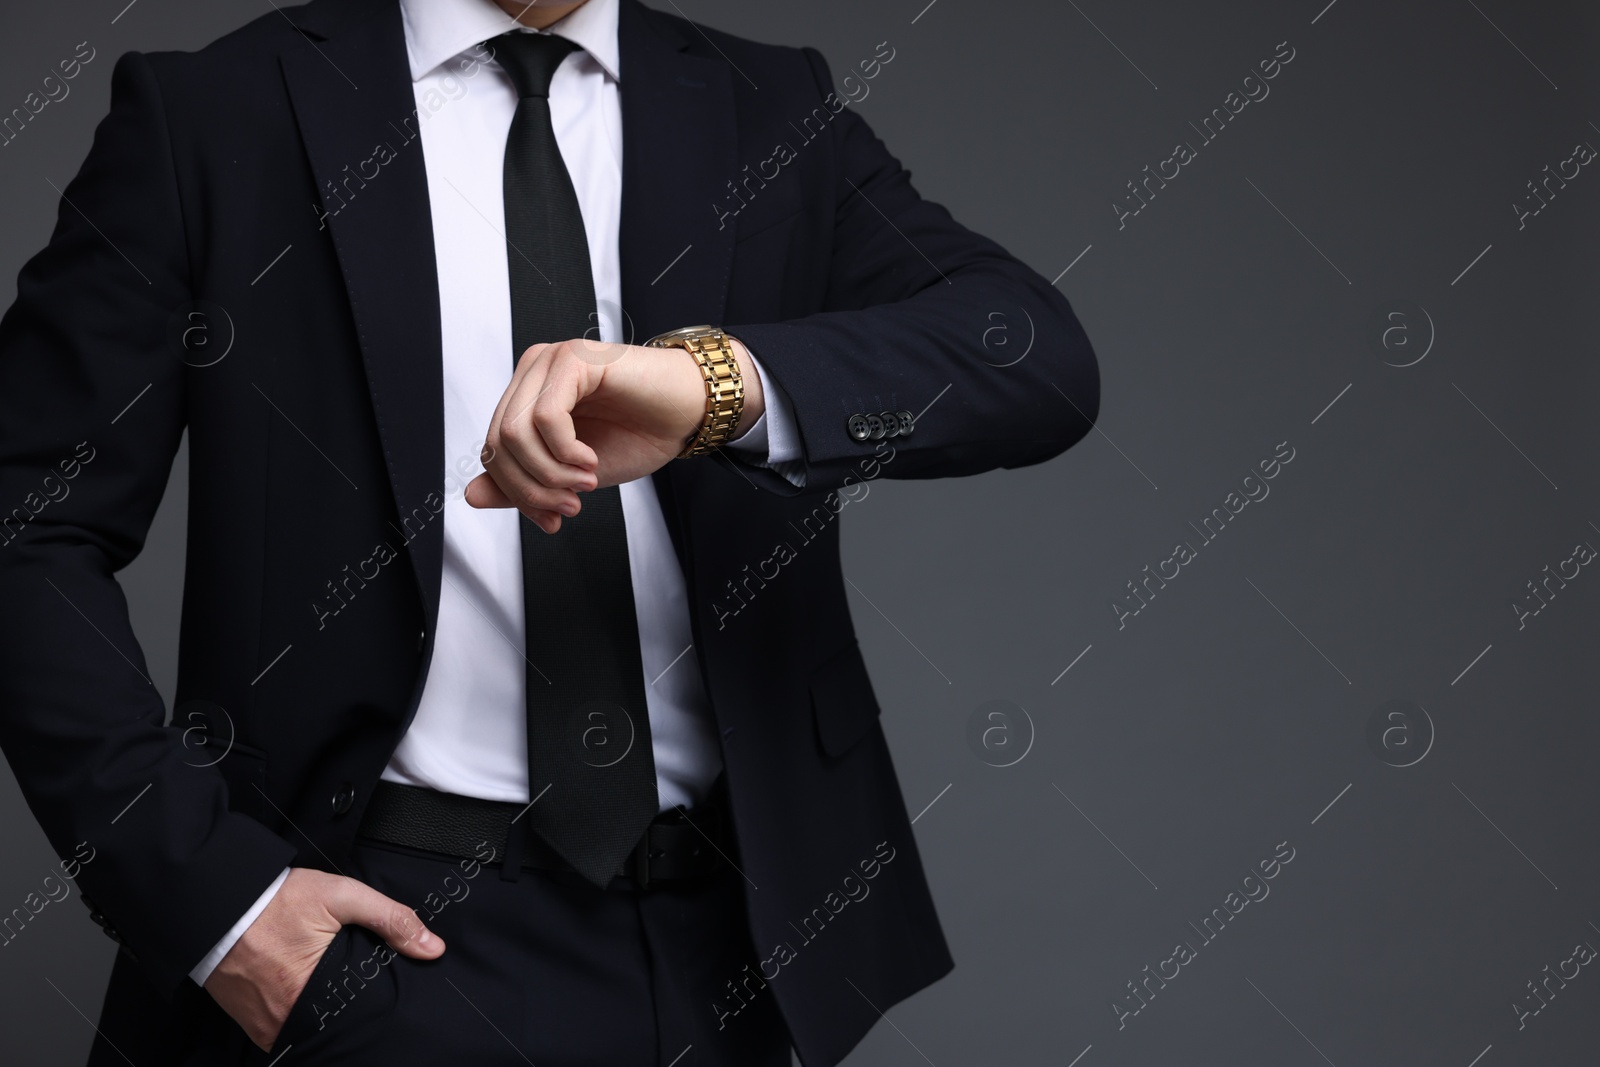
[713, 351]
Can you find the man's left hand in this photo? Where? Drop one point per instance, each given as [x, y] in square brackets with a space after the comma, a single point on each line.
[582, 414]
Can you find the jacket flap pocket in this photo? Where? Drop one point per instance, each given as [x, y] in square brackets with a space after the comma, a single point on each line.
[760, 223]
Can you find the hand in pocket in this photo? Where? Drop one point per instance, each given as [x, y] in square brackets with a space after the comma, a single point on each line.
[258, 982]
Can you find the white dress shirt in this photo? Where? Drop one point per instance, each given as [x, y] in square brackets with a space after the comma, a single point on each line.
[469, 734]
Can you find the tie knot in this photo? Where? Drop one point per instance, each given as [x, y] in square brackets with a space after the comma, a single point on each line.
[531, 59]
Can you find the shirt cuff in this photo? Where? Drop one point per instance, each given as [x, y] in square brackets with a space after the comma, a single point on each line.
[203, 969]
[773, 440]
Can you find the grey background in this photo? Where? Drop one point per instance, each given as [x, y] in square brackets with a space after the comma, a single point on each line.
[1230, 714]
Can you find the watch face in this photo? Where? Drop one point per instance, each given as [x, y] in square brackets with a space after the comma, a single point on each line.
[683, 334]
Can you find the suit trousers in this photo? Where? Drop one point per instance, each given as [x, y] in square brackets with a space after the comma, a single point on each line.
[544, 969]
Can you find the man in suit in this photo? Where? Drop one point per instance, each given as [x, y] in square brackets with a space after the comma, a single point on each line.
[519, 715]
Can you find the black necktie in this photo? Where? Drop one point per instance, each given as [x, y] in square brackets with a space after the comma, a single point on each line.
[588, 724]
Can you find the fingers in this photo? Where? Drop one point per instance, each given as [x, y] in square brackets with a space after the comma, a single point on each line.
[508, 486]
[515, 457]
[549, 411]
[533, 456]
[353, 901]
[482, 492]
[535, 418]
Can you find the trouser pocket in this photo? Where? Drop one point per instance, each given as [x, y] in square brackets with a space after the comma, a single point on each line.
[351, 991]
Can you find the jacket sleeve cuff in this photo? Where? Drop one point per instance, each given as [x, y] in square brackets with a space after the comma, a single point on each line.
[773, 440]
[203, 969]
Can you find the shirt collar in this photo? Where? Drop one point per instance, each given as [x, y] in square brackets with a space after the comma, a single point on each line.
[437, 30]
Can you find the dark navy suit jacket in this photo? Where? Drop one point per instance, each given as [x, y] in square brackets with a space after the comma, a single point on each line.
[311, 394]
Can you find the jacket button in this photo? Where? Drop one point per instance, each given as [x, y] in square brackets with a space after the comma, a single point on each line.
[891, 423]
[877, 429]
[908, 422]
[858, 427]
[345, 797]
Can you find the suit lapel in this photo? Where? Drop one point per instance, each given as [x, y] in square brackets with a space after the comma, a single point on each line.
[679, 147]
[352, 93]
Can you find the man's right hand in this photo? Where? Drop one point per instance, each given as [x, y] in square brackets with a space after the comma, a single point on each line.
[260, 978]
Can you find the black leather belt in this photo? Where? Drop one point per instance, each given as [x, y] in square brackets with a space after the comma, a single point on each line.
[677, 845]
